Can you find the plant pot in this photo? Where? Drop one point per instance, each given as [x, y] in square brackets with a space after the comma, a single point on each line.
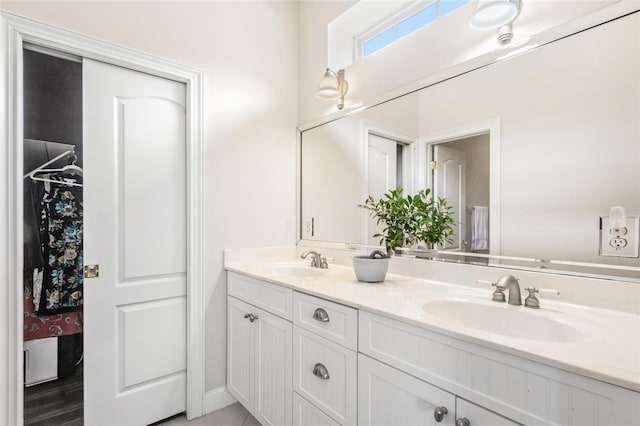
[370, 270]
[425, 253]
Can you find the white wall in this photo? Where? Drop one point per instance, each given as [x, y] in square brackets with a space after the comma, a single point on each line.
[248, 52]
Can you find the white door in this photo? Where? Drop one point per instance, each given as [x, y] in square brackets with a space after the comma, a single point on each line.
[135, 229]
[450, 184]
[383, 163]
[387, 396]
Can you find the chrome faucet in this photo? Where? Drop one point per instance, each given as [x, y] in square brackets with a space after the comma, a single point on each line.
[510, 283]
[506, 282]
[318, 261]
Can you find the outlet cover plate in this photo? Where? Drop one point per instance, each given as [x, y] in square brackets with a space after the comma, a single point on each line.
[632, 237]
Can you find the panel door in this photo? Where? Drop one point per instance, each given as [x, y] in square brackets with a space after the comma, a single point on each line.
[387, 396]
[382, 175]
[135, 229]
[450, 184]
[273, 367]
[241, 359]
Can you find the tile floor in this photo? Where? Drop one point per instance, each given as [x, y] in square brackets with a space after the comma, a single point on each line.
[233, 415]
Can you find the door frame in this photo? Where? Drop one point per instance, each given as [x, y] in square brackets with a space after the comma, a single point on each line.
[17, 30]
[492, 127]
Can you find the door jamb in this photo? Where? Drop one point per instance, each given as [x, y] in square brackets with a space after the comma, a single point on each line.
[16, 31]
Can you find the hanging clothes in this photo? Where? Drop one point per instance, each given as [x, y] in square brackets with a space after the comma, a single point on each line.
[32, 200]
[61, 237]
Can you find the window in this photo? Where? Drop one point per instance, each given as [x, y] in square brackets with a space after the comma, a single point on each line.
[409, 20]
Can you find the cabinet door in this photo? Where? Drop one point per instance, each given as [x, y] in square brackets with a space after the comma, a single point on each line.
[387, 396]
[240, 352]
[273, 367]
[478, 416]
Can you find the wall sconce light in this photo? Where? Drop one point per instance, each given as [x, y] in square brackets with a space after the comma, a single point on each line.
[333, 86]
[496, 14]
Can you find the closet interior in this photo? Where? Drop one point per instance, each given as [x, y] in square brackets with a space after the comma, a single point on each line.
[53, 241]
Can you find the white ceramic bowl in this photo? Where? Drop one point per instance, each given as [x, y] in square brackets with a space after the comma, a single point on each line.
[370, 270]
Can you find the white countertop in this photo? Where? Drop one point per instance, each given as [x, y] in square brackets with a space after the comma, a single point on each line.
[608, 350]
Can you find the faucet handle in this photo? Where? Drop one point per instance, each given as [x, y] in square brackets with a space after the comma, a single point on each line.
[498, 295]
[532, 301]
[323, 263]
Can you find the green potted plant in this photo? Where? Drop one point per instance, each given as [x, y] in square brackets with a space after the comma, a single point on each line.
[395, 211]
[434, 223]
[411, 220]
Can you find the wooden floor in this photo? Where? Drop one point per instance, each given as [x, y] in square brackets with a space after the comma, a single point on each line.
[59, 402]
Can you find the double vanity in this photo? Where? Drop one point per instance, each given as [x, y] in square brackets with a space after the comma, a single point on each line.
[313, 346]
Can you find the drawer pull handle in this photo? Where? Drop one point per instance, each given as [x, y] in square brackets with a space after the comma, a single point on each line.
[321, 315]
[321, 372]
[463, 422]
[251, 317]
[439, 413]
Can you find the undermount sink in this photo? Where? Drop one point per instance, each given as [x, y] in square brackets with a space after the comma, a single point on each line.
[293, 270]
[503, 319]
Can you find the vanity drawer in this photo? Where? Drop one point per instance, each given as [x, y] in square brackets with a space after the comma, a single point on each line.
[307, 414]
[336, 322]
[272, 298]
[325, 373]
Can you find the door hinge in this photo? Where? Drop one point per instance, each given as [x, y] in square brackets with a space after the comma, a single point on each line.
[433, 165]
[91, 271]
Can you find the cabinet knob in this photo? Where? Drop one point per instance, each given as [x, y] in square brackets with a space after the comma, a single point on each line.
[321, 372]
[251, 317]
[463, 422]
[439, 413]
[320, 315]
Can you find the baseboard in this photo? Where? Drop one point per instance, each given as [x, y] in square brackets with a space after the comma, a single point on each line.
[216, 399]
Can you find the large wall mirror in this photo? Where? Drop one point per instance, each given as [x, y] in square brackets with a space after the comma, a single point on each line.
[547, 141]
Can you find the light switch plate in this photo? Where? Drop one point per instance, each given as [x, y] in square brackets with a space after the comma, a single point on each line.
[620, 243]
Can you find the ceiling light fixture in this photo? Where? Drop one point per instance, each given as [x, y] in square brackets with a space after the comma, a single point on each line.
[333, 86]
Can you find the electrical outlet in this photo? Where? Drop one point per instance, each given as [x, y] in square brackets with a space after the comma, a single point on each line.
[307, 227]
[620, 242]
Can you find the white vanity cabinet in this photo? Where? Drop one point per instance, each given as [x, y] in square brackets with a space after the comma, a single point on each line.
[297, 359]
[325, 360]
[524, 391]
[259, 349]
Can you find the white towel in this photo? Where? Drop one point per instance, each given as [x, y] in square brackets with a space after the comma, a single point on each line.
[479, 228]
